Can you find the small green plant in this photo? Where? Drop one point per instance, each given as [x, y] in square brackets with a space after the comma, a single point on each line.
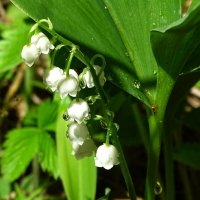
[103, 55]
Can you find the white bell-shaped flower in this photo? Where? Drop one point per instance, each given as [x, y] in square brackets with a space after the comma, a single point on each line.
[78, 133]
[88, 80]
[53, 77]
[42, 42]
[30, 54]
[69, 85]
[81, 151]
[78, 110]
[106, 156]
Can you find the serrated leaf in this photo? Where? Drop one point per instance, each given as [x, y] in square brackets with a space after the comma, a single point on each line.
[11, 45]
[19, 148]
[47, 114]
[78, 176]
[188, 154]
[47, 154]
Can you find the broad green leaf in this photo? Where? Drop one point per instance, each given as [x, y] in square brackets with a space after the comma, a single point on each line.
[47, 114]
[47, 154]
[78, 176]
[117, 29]
[178, 41]
[19, 148]
[188, 154]
[11, 45]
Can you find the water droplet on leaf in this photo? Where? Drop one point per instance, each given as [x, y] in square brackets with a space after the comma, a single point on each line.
[157, 188]
[136, 84]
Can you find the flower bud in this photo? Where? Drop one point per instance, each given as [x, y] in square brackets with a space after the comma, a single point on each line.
[81, 151]
[30, 54]
[53, 77]
[42, 42]
[69, 85]
[78, 133]
[88, 79]
[78, 110]
[106, 156]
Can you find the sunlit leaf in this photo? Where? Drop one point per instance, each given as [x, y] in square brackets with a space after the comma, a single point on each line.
[19, 149]
[47, 114]
[47, 154]
[11, 45]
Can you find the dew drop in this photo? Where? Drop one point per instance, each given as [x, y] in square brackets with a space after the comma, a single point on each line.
[154, 24]
[157, 188]
[126, 54]
[103, 124]
[106, 7]
[136, 84]
[154, 72]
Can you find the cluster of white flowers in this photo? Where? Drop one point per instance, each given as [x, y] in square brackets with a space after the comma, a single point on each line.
[78, 112]
[78, 134]
[39, 44]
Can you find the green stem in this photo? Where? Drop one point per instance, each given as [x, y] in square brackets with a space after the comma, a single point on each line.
[153, 156]
[123, 163]
[68, 64]
[169, 167]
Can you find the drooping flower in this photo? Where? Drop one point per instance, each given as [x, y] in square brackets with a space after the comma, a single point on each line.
[69, 85]
[41, 41]
[77, 133]
[30, 54]
[53, 77]
[106, 156]
[78, 110]
[81, 151]
[88, 79]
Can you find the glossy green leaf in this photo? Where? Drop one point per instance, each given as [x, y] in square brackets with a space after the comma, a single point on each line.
[117, 29]
[188, 154]
[179, 42]
[78, 176]
[47, 154]
[19, 149]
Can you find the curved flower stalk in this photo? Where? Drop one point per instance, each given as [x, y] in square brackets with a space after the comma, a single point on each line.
[66, 83]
